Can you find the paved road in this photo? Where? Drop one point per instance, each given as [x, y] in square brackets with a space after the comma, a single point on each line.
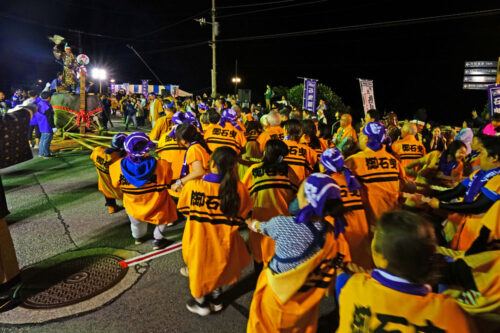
[55, 207]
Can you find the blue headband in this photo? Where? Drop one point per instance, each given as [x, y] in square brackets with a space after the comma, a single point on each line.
[319, 188]
[180, 118]
[117, 143]
[137, 156]
[230, 116]
[333, 161]
[376, 132]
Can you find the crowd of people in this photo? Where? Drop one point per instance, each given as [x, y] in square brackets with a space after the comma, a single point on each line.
[397, 220]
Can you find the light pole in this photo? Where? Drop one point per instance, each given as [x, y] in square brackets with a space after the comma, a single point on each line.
[99, 74]
[236, 80]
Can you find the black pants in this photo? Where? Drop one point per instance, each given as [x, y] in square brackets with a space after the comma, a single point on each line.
[105, 116]
[141, 121]
[110, 202]
[37, 132]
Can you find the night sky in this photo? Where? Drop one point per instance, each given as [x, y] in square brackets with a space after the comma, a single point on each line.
[413, 66]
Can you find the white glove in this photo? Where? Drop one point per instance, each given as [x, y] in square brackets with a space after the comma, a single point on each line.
[54, 130]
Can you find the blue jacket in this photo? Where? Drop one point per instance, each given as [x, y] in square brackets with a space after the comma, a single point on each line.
[44, 118]
[130, 110]
[17, 99]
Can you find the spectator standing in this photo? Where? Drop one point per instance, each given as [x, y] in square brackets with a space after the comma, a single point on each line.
[44, 118]
[17, 98]
[155, 109]
[139, 106]
[115, 105]
[465, 135]
[106, 111]
[268, 94]
[321, 111]
[130, 113]
[477, 121]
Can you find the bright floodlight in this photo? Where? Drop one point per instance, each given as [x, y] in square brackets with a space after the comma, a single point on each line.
[236, 80]
[99, 74]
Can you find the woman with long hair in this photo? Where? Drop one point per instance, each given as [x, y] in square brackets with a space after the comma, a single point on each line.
[273, 186]
[213, 250]
[325, 136]
[310, 137]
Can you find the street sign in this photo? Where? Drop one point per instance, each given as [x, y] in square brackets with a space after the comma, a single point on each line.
[480, 71]
[478, 75]
[480, 79]
[481, 64]
[476, 86]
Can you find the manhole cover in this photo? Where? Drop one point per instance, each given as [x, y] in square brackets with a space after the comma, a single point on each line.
[71, 281]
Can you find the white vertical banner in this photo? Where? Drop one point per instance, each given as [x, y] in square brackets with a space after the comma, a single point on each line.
[174, 91]
[126, 87]
[367, 94]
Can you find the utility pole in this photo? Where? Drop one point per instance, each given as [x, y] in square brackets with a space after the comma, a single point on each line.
[214, 33]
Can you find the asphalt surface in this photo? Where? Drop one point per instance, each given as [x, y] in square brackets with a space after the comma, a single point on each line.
[56, 207]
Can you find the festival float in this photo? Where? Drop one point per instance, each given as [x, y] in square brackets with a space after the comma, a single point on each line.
[75, 111]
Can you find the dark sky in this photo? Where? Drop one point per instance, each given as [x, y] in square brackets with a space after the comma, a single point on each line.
[413, 66]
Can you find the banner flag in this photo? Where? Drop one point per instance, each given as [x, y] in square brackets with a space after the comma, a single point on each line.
[367, 94]
[126, 87]
[310, 87]
[494, 99]
[113, 88]
[145, 87]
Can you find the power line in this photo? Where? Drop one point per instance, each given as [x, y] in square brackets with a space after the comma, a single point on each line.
[255, 4]
[270, 9]
[173, 24]
[369, 25]
[91, 34]
[177, 47]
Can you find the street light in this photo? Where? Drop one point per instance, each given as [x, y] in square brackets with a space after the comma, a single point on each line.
[112, 80]
[99, 74]
[236, 80]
